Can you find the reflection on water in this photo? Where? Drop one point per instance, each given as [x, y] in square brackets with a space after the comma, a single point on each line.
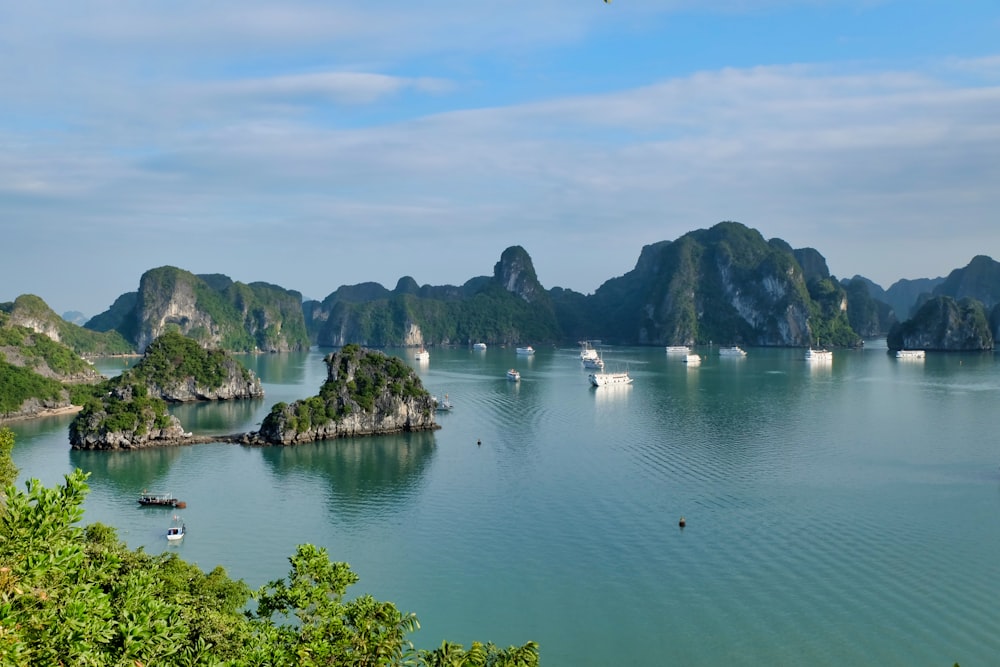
[358, 471]
[219, 417]
[128, 472]
[837, 514]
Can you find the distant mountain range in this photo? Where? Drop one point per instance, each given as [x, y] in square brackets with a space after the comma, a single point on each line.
[726, 284]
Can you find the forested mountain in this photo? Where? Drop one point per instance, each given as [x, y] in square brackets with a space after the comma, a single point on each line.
[726, 284]
[508, 308]
[33, 313]
[212, 309]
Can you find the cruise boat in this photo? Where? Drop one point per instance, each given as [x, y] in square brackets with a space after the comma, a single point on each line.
[812, 354]
[422, 355]
[678, 349]
[594, 362]
[586, 351]
[526, 350]
[692, 360]
[605, 379]
[732, 351]
[479, 346]
[513, 375]
[910, 354]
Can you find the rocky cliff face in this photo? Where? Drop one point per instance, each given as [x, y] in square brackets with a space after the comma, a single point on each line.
[725, 284]
[146, 423]
[239, 383]
[212, 309]
[944, 324]
[366, 393]
[167, 298]
[516, 273]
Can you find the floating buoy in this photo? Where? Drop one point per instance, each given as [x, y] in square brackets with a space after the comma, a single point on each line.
[479, 442]
[682, 522]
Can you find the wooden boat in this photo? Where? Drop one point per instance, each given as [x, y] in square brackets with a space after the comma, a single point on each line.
[160, 500]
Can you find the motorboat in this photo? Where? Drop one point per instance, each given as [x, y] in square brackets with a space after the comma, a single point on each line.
[422, 355]
[513, 375]
[177, 530]
[910, 354]
[692, 359]
[606, 379]
[732, 351]
[526, 350]
[443, 406]
[479, 346]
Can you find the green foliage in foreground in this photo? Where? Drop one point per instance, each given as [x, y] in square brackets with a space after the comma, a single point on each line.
[79, 596]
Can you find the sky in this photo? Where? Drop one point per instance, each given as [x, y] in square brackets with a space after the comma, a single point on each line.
[318, 144]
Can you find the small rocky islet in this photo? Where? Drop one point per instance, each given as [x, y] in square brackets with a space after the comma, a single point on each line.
[366, 393]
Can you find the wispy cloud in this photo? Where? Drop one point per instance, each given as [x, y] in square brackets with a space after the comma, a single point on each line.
[384, 137]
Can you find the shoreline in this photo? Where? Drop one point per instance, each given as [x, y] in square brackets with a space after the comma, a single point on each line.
[41, 414]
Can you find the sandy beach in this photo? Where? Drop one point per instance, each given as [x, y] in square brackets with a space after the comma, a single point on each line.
[48, 412]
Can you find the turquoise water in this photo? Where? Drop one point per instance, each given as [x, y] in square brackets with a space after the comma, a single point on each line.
[841, 514]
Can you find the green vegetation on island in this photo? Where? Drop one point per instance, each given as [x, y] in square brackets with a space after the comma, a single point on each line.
[174, 358]
[131, 408]
[366, 392]
[72, 595]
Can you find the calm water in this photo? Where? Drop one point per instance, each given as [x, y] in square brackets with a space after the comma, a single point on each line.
[847, 514]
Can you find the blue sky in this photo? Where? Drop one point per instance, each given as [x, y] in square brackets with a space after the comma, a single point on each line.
[316, 144]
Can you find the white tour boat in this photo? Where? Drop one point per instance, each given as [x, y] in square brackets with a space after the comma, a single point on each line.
[513, 375]
[692, 360]
[732, 351]
[526, 350]
[422, 355]
[678, 349]
[910, 354]
[594, 362]
[812, 354]
[605, 379]
[586, 351]
[479, 346]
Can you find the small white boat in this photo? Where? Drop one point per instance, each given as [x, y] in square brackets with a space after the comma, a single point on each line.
[821, 355]
[732, 351]
[513, 375]
[479, 346]
[442, 406]
[910, 354]
[586, 351]
[526, 350]
[605, 379]
[678, 349]
[692, 360]
[422, 355]
[176, 531]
